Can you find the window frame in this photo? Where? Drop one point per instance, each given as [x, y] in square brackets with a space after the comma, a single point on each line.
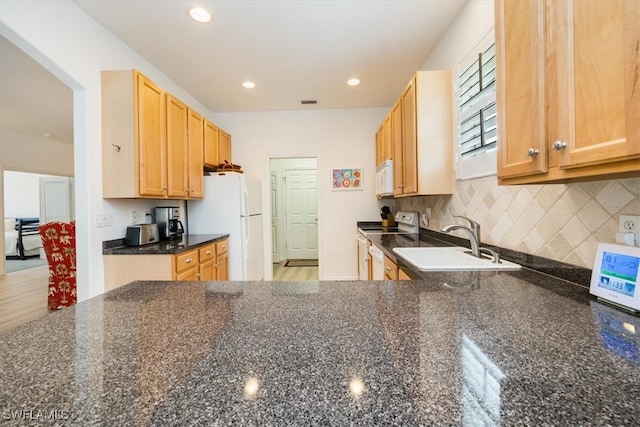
[484, 161]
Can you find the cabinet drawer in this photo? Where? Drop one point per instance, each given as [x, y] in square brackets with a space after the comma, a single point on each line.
[222, 247]
[207, 252]
[390, 269]
[186, 260]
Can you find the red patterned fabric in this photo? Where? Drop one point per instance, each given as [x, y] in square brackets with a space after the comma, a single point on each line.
[59, 242]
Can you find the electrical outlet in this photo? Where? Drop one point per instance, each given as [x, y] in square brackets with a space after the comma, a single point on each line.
[132, 217]
[630, 224]
[426, 216]
[104, 220]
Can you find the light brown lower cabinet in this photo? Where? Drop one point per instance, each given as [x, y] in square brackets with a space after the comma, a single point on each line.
[402, 275]
[392, 271]
[208, 262]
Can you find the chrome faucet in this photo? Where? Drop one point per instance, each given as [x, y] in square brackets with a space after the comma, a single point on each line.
[473, 231]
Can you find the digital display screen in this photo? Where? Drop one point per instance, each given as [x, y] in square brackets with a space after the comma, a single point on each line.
[619, 273]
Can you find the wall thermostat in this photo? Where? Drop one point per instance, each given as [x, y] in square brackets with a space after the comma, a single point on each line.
[615, 275]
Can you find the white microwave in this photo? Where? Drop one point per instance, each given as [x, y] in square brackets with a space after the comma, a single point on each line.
[384, 179]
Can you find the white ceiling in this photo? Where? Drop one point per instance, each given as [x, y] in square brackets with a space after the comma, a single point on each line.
[292, 50]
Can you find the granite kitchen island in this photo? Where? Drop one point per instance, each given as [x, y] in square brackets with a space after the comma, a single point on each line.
[473, 348]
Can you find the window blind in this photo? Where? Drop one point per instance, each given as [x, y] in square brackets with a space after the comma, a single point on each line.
[476, 97]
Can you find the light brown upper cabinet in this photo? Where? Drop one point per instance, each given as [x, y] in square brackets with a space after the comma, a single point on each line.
[177, 147]
[379, 142]
[134, 136]
[422, 135]
[148, 149]
[195, 152]
[567, 94]
[217, 145]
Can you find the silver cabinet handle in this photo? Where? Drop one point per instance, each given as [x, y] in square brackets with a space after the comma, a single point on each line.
[208, 252]
[532, 152]
[188, 260]
[387, 268]
[224, 246]
[559, 145]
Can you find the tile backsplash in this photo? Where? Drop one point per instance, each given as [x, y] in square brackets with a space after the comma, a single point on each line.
[563, 222]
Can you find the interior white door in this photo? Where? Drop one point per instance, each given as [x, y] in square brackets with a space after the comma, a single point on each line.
[301, 213]
[56, 199]
[275, 256]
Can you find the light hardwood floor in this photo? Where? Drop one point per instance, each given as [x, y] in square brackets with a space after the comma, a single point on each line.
[23, 296]
[294, 274]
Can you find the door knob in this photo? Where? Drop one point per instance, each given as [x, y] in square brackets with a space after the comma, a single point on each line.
[559, 145]
[532, 152]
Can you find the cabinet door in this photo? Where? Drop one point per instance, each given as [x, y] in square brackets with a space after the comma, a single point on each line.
[409, 140]
[188, 275]
[379, 146]
[222, 264]
[152, 145]
[207, 271]
[520, 90]
[177, 149]
[195, 161]
[402, 275]
[211, 143]
[386, 139]
[396, 129]
[595, 92]
[224, 148]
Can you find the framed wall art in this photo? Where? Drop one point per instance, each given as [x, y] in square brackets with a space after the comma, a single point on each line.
[346, 179]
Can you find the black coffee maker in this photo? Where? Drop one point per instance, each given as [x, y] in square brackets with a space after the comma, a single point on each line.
[169, 224]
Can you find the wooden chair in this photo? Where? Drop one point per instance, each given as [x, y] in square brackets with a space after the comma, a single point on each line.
[59, 242]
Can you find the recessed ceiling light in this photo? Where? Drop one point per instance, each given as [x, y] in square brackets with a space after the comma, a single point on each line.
[249, 85]
[199, 14]
[353, 82]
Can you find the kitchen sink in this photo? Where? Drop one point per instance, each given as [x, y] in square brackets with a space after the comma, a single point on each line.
[450, 259]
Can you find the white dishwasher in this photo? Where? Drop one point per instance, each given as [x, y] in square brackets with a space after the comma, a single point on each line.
[377, 263]
[363, 257]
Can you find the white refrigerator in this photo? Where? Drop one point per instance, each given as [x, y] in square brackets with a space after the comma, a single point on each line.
[232, 205]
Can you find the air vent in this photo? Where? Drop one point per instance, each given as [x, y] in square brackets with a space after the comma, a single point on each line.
[308, 101]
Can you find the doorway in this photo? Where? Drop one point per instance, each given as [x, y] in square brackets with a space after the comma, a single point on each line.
[294, 217]
[38, 199]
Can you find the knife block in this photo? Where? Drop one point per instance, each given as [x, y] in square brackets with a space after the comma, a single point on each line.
[389, 222]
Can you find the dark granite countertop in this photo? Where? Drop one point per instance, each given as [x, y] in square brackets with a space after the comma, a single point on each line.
[464, 348]
[386, 242]
[187, 242]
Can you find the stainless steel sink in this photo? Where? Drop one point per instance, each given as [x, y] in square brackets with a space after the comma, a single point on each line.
[450, 259]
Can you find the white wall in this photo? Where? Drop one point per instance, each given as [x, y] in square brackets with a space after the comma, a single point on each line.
[75, 48]
[474, 21]
[338, 139]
